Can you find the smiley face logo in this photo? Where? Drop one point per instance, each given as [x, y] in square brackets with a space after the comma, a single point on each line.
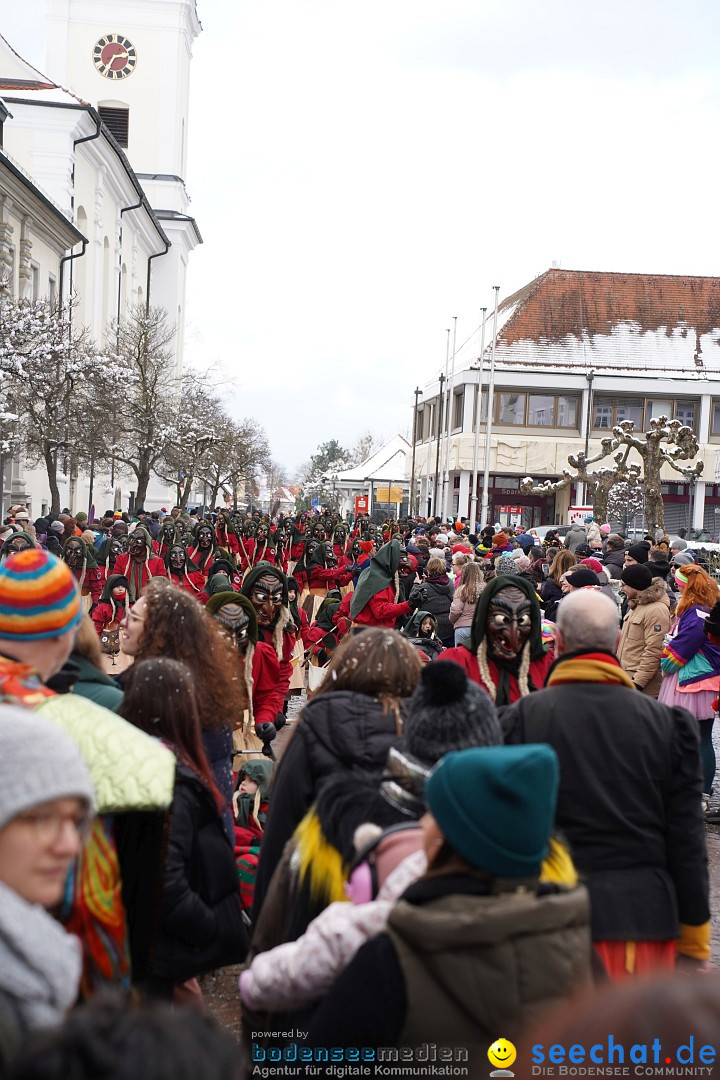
[502, 1054]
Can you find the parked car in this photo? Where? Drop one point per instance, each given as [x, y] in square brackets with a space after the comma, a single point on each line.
[541, 531]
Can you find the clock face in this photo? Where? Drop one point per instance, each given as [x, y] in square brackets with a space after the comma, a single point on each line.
[114, 56]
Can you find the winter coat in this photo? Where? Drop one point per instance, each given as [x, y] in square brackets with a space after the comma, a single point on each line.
[592, 531]
[468, 661]
[381, 610]
[296, 973]
[551, 594]
[338, 731]
[614, 562]
[461, 614]
[437, 594]
[201, 923]
[629, 803]
[95, 684]
[641, 642]
[575, 536]
[455, 961]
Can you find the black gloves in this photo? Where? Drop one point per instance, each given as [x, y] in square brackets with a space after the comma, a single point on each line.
[266, 731]
[280, 721]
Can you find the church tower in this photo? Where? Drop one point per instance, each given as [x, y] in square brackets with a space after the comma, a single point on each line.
[130, 60]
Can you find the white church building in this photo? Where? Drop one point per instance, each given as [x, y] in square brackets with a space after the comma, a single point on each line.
[92, 194]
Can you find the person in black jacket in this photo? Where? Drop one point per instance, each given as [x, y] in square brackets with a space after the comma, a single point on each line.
[435, 595]
[615, 555]
[630, 793]
[200, 923]
[350, 724]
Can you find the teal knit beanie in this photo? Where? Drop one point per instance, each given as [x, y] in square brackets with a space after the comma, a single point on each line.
[496, 805]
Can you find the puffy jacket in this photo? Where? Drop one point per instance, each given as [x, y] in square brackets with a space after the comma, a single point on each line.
[437, 594]
[95, 684]
[337, 731]
[641, 642]
[461, 614]
[201, 923]
[454, 965]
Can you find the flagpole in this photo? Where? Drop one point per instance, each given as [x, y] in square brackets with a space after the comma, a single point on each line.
[448, 425]
[478, 414]
[441, 400]
[485, 513]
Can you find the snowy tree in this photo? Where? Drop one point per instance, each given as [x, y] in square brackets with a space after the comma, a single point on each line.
[143, 413]
[668, 442]
[625, 501]
[190, 436]
[52, 378]
[239, 452]
[316, 476]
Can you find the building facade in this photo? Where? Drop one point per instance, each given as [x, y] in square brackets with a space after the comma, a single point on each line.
[105, 140]
[576, 352]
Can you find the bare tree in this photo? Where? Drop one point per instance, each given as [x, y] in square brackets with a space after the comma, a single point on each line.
[240, 451]
[190, 437]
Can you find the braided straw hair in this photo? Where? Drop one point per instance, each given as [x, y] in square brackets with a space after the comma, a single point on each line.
[487, 679]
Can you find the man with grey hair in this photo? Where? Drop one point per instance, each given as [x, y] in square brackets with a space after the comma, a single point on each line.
[629, 801]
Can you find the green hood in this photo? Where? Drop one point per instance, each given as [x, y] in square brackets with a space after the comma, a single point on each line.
[411, 628]
[377, 576]
[219, 600]
[477, 633]
[6, 546]
[324, 617]
[90, 560]
[260, 570]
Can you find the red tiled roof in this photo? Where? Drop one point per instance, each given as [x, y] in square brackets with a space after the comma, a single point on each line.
[658, 321]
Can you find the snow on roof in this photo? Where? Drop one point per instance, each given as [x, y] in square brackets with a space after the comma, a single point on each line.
[635, 323]
[387, 463]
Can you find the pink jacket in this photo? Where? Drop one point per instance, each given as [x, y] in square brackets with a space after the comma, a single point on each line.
[297, 973]
[461, 614]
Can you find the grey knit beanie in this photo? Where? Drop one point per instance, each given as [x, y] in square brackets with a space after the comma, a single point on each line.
[39, 762]
[448, 712]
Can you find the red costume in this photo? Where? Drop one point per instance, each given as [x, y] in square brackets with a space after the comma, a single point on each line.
[468, 661]
[381, 609]
[138, 573]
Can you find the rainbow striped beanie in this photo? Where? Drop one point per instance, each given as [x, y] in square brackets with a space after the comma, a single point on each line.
[39, 597]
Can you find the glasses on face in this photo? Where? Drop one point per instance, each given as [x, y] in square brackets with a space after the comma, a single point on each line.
[131, 617]
[48, 825]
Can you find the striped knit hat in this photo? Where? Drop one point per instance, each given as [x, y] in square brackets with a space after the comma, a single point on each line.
[38, 597]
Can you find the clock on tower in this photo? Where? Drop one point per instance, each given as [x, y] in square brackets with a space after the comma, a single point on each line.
[114, 56]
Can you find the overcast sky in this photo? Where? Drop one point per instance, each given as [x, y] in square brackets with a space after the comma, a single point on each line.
[362, 173]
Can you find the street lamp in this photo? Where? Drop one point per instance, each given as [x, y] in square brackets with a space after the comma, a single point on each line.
[418, 394]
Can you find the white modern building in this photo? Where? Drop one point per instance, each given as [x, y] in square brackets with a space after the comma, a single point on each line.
[381, 480]
[102, 134]
[576, 352]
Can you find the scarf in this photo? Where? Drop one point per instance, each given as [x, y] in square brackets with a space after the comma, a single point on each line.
[588, 667]
[39, 963]
[379, 574]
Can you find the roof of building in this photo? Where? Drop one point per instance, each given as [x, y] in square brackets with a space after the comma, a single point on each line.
[386, 463]
[582, 319]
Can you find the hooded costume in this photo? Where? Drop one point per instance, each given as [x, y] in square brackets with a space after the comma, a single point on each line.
[5, 550]
[281, 635]
[374, 602]
[109, 612]
[203, 561]
[261, 669]
[89, 576]
[226, 536]
[189, 579]
[505, 680]
[139, 572]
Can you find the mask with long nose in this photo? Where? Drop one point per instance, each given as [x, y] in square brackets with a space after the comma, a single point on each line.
[509, 623]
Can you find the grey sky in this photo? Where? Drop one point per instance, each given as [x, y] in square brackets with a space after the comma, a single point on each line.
[361, 173]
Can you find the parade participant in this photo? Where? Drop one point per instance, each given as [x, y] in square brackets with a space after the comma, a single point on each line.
[85, 570]
[266, 587]
[450, 954]
[168, 535]
[108, 553]
[182, 571]
[644, 628]
[635, 825]
[202, 552]
[139, 566]
[200, 925]
[46, 801]
[261, 545]
[110, 612]
[221, 567]
[350, 724]
[300, 573]
[260, 670]
[322, 638]
[225, 533]
[505, 652]
[691, 662]
[323, 574]
[167, 622]
[341, 542]
[17, 541]
[375, 599]
[421, 629]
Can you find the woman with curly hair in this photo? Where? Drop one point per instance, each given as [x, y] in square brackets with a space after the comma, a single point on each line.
[691, 663]
[168, 622]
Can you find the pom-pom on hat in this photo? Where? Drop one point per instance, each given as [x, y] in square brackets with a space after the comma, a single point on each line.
[448, 712]
[39, 597]
[495, 806]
